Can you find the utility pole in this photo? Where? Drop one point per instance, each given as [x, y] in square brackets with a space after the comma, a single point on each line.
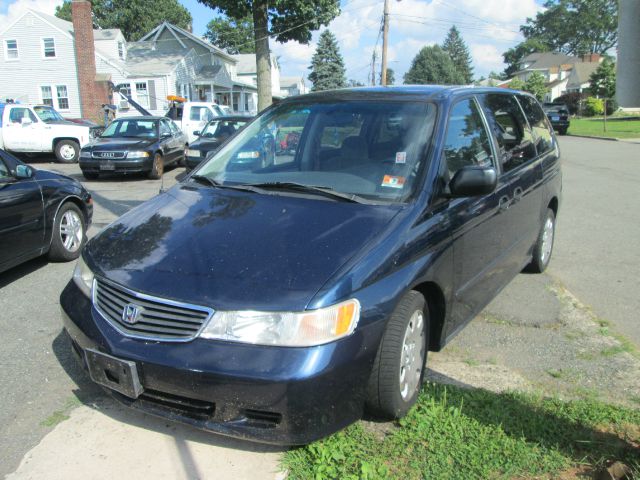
[373, 68]
[385, 40]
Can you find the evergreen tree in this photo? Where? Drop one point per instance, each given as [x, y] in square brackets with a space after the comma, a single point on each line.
[603, 80]
[457, 49]
[432, 65]
[327, 65]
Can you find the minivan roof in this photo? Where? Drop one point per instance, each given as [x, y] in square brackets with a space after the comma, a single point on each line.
[421, 91]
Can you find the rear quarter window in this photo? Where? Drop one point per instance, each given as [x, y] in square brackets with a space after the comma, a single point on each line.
[539, 124]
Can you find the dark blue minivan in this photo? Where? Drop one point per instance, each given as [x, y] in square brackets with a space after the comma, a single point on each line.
[277, 300]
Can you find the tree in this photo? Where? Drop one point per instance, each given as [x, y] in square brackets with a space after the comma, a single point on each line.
[536, 85]
[457, 49]
[517, 84]
[603, 80]
[327, 65]
[133, 18]
[289, 20]
[573, 27]
[235, 36]
[354, 83]
[433, 65]
[391, 77]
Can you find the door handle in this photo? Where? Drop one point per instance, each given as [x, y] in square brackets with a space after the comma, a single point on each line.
[503, 203]
[517, 194]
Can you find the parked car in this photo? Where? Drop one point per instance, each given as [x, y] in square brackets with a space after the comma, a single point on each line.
[41, 129]
[278, 302]
[558, 114]
[40, 213]
[192, 117]
[134, 145]
[214, 134]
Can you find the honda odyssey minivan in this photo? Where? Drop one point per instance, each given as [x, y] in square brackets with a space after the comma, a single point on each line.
[277, 301]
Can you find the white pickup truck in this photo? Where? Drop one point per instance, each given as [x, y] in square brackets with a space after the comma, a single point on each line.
[40, 129]
[192, 116]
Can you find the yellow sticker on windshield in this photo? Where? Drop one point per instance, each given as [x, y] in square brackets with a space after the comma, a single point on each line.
[393, 182]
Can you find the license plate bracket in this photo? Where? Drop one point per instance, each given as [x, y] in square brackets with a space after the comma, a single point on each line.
[108, 165]
[114, 373]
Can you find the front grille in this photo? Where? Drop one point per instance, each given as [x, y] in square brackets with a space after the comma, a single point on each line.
[143, 316]
[189, 407]
[109, 155]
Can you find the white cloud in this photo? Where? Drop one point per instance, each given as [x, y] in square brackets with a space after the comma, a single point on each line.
[18, 7]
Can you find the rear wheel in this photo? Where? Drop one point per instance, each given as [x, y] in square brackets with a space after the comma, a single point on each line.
[544, 245]
[68, 234]
[562, 131]
[67, 151]
[157, 169]
[398, 369]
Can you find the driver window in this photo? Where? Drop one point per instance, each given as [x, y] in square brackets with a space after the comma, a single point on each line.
[467, 142]
[164, 129]
[17, 114]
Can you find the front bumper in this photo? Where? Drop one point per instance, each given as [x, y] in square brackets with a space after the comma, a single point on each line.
[286, 396]
[96, 165]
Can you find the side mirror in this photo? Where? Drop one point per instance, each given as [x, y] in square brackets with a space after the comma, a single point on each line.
[473, 182]
[197, 133]
[24, 171]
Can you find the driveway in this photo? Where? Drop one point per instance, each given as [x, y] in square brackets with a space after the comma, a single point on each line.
[537, 334]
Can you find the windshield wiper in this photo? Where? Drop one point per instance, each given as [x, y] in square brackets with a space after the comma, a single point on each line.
[214, 183]
[299, 187]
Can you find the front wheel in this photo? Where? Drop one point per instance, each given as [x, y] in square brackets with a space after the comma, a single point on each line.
[544, 245]
[157, 168]
[68, 234]
[398, 369]
[67, 151]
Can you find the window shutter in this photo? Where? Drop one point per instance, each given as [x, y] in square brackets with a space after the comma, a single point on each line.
[152, 95]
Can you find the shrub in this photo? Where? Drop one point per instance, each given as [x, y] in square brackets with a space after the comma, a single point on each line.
[593, 106]
[572, 101]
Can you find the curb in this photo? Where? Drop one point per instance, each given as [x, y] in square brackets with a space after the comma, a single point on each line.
[610, 139]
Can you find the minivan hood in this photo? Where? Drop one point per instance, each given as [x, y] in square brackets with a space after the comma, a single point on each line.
[234, 250]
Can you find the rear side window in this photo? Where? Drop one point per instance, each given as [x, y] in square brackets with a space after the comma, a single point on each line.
[514, 137]
[17, 114]
[540, 127]
[467, 142]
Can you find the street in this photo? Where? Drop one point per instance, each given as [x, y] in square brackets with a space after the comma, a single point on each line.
[594, 268]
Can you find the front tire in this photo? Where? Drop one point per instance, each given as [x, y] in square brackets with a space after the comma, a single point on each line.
[398, 369]
[67, 151]
[544, 244]
[157, 168]
[69, 234]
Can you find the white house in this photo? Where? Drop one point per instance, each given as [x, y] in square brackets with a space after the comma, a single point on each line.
[290, 86]
[247, 71]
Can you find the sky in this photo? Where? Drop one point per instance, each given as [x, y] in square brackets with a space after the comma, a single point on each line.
[489, 27]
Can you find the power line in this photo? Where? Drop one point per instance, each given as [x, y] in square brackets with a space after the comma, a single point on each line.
[471, 34]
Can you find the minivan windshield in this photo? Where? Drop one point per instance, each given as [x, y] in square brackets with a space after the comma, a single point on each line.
[131, 129]
[373, 150]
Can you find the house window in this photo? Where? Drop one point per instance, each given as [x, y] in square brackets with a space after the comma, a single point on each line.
[142, 93]
[49, 47]
[121, 50]
[11, 49]
[47, 96]
[246, 102]
[236, 101]
[63, 97]
[124, 104]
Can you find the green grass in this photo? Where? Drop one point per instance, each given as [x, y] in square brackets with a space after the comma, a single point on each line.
[615, 128]
[475, 434]
[61, 415]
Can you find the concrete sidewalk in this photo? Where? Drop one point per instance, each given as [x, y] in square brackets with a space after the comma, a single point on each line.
[115, 442]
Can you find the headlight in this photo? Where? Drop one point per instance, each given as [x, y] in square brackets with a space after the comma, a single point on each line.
[287, 329]
[83, 277]
[193, 153]
[85, 154]
[136, 154]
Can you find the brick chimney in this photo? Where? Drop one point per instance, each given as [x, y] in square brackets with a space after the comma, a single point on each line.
[591, 58]
[92, 94]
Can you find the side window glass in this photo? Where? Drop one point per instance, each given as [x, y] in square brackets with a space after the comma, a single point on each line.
[4, 171]
[467, 141]
[17, 114]
[515, 140]
[196, 113]
[539, 124]
[164, 128]
[174, 128]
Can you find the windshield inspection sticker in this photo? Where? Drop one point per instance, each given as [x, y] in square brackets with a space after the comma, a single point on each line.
[401, 157]
[393, 182]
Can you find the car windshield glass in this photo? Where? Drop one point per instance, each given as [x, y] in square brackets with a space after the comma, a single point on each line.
[222, 128]
[47, 114]
[132, 128]
[373, 150]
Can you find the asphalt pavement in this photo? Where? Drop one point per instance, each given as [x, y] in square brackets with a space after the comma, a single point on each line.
[596, 258]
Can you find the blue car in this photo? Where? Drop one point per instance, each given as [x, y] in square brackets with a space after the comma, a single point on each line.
[279, 301]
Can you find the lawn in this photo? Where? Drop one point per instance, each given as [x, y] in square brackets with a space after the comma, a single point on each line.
[475, 434]
[615, 128]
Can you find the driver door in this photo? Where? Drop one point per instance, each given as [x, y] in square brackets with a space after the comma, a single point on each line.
[22, 131]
